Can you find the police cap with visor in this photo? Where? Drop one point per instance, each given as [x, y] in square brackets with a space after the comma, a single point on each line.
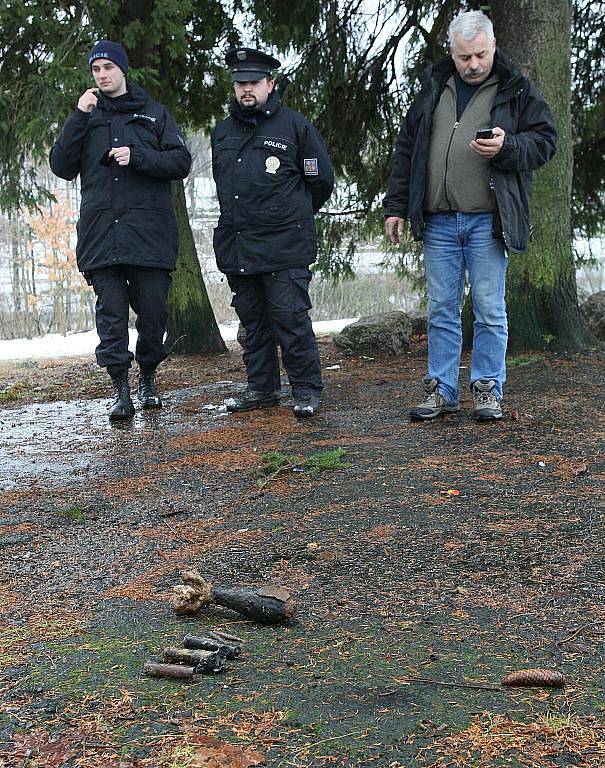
[248, 65]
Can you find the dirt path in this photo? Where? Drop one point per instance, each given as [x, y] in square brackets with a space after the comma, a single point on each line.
[451, 552]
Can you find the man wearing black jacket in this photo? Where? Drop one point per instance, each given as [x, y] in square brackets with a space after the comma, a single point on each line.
[126, 148]
[466, 195]
[272, 174]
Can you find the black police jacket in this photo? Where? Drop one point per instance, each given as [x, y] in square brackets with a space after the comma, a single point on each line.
[126, 214]
[272, 173]
[530, 141]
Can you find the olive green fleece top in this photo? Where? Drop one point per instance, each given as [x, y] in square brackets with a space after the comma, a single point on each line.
[458, 179]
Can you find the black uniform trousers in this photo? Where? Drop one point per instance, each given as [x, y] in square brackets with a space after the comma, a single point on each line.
[273, 308]
[145, 289]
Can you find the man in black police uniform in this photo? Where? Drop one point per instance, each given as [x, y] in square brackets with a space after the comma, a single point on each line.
[272, 174]
[126, 148]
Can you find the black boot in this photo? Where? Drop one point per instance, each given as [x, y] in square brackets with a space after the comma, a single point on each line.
[122, 407]
[306, 405]
[251, 400]
[149, 396]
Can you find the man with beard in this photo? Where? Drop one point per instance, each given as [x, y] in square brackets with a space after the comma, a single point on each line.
[462, 178]
[127, 149]
[272, 174]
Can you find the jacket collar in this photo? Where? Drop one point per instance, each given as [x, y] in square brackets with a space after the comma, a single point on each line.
[253, 117]
[442, 70]
[137, 98]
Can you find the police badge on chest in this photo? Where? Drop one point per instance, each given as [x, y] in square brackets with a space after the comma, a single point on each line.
[272, 163]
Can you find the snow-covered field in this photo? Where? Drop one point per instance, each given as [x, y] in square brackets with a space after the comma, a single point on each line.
[74, 344]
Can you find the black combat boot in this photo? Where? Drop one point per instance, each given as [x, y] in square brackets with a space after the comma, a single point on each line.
[148, 395]
[250, 400]
[306, 405]
[122, 407]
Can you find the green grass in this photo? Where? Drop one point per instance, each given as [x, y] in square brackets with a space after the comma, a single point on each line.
[75, 514]
[276, 463]
[521, 360]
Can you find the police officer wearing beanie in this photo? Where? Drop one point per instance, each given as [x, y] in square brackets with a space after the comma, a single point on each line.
[272, 174]
[127, 149]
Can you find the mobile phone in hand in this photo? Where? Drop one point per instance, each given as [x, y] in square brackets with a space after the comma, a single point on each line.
[106, 160]
[486, 133]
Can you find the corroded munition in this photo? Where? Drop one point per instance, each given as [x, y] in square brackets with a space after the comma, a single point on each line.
[528, 678]
[209, 644]
[185, 656]
[268, 605]
[204, 662]
[168, 670]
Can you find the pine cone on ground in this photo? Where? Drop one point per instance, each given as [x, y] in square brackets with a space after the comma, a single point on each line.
[534, 678]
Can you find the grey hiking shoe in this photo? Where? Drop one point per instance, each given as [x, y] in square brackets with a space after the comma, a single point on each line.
[434, 405]
[486, 406]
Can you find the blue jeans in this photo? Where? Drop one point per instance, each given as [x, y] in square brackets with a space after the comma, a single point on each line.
[456, 243]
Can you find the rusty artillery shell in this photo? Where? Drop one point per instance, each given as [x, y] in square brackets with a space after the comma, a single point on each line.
[268, 606]
[204, 662]
[534, 678]
[175, 671]
[209, 644]
[185, 656]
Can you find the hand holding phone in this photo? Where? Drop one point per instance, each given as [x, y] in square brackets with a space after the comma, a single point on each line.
[106, 160]
[485, 133]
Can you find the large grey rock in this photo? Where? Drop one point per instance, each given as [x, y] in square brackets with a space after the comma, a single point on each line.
[593, 310]
[376, 334]
[419, 323]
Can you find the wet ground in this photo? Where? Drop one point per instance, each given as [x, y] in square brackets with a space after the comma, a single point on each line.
[444, 556]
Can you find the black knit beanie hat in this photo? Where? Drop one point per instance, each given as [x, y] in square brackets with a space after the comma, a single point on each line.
[106, 49]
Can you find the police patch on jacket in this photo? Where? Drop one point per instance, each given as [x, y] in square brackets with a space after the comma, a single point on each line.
[272, 163]
[310, 166]
[275, 144]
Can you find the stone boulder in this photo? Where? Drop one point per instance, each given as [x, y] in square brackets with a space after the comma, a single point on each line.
[419, 324]
[593, 310]
[376, 334]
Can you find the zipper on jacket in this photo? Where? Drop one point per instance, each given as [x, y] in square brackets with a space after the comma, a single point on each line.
[492, 186]
[447, 155]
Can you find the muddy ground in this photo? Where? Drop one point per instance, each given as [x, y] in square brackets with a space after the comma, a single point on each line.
[444, 556]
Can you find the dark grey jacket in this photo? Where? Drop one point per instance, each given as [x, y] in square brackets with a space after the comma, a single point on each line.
[530, 142]
[126, 214]
[272, 173]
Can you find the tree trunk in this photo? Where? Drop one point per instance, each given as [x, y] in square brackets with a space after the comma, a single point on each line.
[541, 294]
[19, 301]
[191, 314]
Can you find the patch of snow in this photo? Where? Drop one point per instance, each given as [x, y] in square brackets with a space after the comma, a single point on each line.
[76, 344]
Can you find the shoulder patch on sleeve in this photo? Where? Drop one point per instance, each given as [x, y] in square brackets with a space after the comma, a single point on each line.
[310, 166]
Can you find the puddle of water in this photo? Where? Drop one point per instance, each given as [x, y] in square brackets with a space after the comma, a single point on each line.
[54, 442]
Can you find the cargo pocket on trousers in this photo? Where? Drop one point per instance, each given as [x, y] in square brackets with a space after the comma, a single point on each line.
[301, 279]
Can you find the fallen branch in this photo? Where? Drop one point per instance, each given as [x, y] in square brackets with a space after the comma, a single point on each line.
[448, 684]
[575, 633]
